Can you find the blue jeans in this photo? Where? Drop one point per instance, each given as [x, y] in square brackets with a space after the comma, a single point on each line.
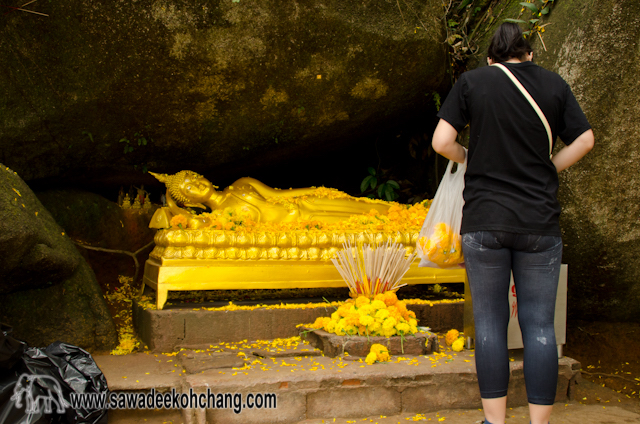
[490, 257]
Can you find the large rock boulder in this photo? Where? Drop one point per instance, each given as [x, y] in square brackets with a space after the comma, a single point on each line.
[212, 86]
[595, 48]
[47, 290]
[95, 222]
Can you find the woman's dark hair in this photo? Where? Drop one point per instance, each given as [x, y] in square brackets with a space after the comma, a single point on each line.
[508, 43]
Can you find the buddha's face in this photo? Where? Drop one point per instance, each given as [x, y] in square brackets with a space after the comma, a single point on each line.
[196, 188]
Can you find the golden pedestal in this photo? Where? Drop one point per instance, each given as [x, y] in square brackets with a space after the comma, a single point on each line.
[226, 260]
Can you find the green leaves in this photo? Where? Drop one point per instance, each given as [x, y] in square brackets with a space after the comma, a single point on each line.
[532, 7]
[128, 148]
[538, 8]
[385, 191]
[370, 181]
[464, 4]
[139, 138]
[515, 21]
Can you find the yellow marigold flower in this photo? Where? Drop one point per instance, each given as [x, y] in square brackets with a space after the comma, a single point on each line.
[371, 358]
[380, 297]
[352, 319]
[335, 316]
[389, 332]
[343, 310]
[390, 298]
[458, 345]
[366, 320]
[330, 327]
[362, 300]
[351, 330]
[381, 352]
[378, 304]
[319, 323]
[382, 314]
[377, 348]
[451, 336]
[388, 323]
[413, 322]
[374, 327]
[403, 328]
[366, 309]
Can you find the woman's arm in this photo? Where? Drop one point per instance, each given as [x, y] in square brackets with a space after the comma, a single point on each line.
[572, 153]
[444, 142]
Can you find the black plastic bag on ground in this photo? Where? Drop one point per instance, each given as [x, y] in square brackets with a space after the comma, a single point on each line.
[42, 385]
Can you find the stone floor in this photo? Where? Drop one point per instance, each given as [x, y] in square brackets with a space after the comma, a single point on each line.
[314, 389]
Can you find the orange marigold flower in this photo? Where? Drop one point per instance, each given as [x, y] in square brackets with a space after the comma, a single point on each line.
[179, 221]
[451, 336]
[390, 298]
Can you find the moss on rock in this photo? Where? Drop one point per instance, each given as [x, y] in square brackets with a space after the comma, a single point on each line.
[210, 83]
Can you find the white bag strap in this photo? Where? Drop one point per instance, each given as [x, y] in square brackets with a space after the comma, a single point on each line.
[530, 99]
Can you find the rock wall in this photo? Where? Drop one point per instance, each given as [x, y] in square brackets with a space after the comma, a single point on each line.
[118, 87]
[47, 290]
[595, 47]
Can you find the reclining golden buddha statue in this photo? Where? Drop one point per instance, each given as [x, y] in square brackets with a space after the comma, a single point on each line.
[252, 236]
[254, 200]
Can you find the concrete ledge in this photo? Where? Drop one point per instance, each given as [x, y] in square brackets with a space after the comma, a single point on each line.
[169, 329]
[319, 387]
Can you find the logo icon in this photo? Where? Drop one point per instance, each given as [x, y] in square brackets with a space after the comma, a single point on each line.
[47, 392]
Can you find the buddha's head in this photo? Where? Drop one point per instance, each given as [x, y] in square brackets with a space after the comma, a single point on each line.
[187, 186]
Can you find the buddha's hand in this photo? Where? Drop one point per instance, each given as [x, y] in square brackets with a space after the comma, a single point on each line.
[198, 222]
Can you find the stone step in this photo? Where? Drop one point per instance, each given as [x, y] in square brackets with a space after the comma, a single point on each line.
[311, 386]
[193, 326]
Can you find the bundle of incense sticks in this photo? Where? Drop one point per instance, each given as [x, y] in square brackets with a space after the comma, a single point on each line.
[369, 270]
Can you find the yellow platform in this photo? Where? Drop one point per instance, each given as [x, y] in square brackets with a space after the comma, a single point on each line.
[201, 274]
[226, 260]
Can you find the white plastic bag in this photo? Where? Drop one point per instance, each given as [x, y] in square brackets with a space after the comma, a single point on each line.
[439, 242]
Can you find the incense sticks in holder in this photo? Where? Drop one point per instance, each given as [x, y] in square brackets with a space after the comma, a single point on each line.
[369, 270]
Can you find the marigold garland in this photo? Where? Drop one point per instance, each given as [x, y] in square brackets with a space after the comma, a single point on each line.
[399, 217]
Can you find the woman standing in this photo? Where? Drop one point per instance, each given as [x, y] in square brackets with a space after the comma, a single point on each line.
[511, 214]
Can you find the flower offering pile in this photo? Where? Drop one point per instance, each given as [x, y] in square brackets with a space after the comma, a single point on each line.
[442, 246]
[384, 315]
[400, 217]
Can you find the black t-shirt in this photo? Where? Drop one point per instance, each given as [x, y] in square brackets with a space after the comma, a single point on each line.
[510, 182]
